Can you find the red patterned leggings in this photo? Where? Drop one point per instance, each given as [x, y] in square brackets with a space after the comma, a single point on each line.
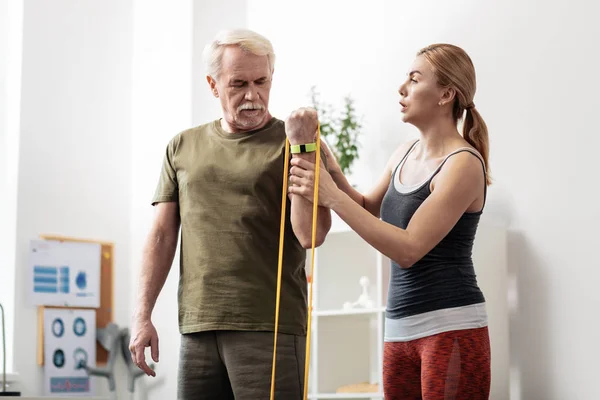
[448, 366]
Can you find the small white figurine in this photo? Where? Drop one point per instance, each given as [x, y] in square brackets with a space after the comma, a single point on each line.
[363, 300]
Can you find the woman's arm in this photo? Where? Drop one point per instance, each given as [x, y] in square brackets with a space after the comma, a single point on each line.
[458, 185]
[371, 201]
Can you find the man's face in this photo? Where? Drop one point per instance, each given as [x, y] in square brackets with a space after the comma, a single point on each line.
[243, 87]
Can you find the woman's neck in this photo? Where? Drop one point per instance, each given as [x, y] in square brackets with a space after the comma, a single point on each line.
[438, 139]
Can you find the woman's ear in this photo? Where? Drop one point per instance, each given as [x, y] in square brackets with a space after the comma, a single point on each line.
[448, 95]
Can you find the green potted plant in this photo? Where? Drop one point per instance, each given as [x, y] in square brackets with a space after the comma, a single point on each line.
[340, 129]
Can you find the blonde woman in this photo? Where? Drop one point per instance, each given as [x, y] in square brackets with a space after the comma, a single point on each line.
[423, 214]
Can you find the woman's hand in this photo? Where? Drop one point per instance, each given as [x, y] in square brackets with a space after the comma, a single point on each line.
[332, 163]
[302, 177]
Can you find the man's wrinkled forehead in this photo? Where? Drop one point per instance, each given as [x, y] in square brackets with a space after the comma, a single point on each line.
[239, 64]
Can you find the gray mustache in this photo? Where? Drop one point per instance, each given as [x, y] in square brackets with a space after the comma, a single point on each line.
[250, 106]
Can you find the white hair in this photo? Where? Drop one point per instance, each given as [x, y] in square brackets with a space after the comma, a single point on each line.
[246, 39]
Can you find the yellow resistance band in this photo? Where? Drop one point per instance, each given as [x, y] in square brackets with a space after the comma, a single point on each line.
[312, 265]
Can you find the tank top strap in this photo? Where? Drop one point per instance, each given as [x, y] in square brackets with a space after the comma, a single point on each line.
[412, 146]
[476, 154]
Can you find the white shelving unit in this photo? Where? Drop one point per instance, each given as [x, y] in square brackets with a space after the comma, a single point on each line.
[346, 345]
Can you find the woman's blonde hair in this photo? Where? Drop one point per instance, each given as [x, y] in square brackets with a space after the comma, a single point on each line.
[454, 68]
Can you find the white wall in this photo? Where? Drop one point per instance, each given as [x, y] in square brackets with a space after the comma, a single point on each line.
[161, 108]
[75, 148]
[6, 287]
[11, 13]
[3, 80]
[536, 64]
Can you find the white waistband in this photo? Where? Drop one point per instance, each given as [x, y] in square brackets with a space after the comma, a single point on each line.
[434, 322]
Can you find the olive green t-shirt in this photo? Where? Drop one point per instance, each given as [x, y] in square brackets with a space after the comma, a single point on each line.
[229, 189]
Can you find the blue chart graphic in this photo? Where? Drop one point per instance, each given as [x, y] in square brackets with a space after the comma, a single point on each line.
[81, 280]
[69, 385]
[64, 280]
[58, 327]
[79, 327]
[59, 358]
[81, 358]
[50, 279]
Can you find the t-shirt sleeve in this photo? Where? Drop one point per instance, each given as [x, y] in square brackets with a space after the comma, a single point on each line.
[168, 188]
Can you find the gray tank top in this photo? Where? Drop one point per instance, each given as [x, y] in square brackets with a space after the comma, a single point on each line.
[444, 278]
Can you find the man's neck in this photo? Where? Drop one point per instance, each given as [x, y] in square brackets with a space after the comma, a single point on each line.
[232, 129]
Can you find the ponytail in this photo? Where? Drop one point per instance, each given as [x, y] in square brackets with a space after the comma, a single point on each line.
[454, 69]
[476, 134]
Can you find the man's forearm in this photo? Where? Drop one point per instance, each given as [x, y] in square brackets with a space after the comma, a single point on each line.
[159, 251]
[302, 215]
[301, 128]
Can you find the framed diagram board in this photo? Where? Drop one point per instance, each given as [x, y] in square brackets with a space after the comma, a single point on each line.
[104, 314]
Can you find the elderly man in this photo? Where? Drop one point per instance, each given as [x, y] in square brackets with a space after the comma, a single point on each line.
[222, 183]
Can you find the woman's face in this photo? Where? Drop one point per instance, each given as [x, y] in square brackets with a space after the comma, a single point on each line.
[420, 93]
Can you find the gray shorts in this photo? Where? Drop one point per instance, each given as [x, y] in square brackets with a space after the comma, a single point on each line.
[237, 365]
